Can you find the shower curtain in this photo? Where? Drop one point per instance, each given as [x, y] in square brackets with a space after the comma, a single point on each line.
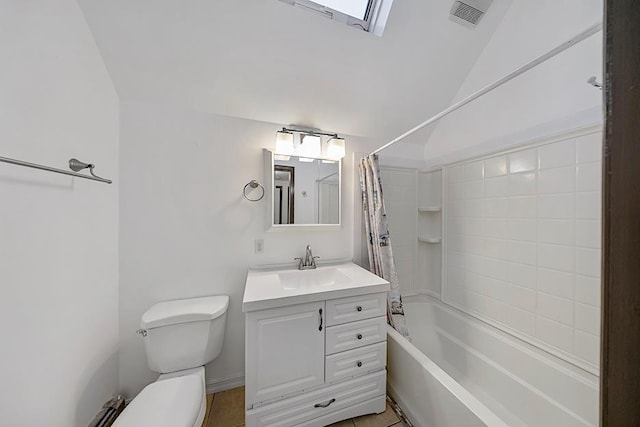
[378, 241]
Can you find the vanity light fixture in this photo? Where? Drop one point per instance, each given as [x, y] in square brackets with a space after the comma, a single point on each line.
[309, 143]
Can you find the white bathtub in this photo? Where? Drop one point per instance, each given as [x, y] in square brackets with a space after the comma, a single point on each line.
[459, 371]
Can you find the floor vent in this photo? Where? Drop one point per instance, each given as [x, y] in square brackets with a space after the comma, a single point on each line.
[109, 412]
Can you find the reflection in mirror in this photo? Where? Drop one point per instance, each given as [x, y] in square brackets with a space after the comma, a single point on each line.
[283, 194]
[306, 191]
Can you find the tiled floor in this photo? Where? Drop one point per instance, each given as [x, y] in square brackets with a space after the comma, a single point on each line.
[226, 409]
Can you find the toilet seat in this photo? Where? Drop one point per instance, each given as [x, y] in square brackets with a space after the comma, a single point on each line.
[173, 402]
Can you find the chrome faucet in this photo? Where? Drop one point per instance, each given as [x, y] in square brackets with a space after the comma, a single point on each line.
[308, 262]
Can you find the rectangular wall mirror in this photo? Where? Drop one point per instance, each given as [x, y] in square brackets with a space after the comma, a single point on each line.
[304, 192]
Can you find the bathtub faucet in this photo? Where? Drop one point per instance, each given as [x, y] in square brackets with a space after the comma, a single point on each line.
[308, 262]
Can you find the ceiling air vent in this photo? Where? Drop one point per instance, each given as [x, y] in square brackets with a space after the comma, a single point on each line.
[469, 11]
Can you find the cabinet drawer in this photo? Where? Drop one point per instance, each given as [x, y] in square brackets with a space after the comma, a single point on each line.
[361, 307]
[355, 362]
[355, 334]
[318, 403]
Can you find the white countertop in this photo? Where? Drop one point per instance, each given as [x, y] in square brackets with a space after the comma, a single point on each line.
[264, 289]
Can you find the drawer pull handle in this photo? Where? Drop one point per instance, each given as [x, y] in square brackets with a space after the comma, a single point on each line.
[320, 327]
[324, 405]
[359, 336]
[359, 364]
[359, 308]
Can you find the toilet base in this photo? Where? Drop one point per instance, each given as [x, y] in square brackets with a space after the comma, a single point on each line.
[183, 391]
[199, 371]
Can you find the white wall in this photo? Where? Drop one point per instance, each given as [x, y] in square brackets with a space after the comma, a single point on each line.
[402, 155]
[550, 98]
[58, 235]
[187, 231]
[523, 234]
[266, 60]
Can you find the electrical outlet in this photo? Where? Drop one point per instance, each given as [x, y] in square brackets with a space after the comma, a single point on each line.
[259, 246]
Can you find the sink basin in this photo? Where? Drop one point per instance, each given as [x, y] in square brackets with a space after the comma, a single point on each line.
[276, 288]
[307, 279]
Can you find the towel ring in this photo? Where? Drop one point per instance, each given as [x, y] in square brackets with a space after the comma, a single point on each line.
[253, 184]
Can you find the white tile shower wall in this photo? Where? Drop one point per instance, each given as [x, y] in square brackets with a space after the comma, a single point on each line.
[523, 243]
[400, 188]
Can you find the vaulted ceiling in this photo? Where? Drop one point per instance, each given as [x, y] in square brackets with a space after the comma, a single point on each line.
[266, 60]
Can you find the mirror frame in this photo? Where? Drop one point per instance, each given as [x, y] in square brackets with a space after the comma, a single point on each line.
[269, 164]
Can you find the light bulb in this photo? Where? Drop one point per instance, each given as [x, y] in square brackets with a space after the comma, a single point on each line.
[284, 143]
[336, 148]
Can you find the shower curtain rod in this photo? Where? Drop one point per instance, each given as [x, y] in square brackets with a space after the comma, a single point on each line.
[553, 52]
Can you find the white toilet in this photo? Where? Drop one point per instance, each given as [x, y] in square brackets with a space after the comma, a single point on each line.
[180, 337]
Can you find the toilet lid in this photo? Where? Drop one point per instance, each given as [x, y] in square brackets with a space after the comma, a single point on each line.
[184, 310]
[175, 402]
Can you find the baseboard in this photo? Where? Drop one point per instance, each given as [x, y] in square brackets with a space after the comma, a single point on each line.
[222, 384]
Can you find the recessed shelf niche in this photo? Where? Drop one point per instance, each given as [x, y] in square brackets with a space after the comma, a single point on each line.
[429, 262]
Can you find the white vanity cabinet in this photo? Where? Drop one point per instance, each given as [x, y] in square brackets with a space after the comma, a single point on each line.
[316, 363]
[285, 350]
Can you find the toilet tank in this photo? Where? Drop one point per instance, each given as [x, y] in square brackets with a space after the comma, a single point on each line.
[184, 334]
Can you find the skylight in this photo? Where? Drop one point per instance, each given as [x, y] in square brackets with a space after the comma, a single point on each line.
[354, 8]
[367, 15]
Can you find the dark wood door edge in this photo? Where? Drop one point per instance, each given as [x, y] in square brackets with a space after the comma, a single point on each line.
[620, 349]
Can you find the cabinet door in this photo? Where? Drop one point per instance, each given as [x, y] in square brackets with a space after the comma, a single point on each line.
[284, 351]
